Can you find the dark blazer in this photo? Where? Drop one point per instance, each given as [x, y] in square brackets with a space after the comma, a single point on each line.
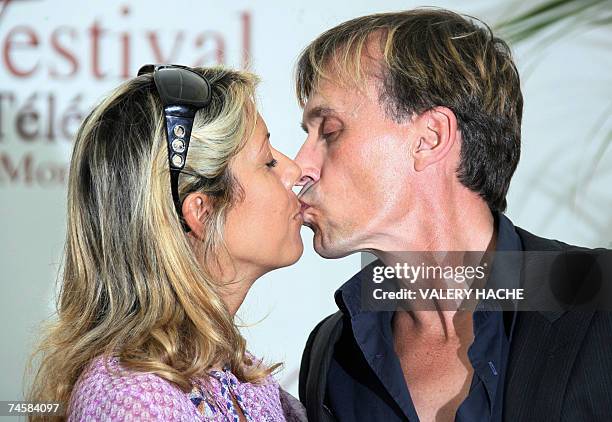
[560, 362]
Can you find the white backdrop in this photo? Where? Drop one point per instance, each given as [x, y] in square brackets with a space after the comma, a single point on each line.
[59, 57]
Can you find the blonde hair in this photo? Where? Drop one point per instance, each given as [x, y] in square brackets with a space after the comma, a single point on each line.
[132, 286]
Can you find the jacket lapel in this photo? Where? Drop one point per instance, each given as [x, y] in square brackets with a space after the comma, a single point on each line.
[543, 351]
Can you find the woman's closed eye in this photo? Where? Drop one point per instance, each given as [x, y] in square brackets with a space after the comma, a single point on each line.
[272, 163]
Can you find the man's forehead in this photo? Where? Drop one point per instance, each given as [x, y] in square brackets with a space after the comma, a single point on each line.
[332, 99]
[325, 93]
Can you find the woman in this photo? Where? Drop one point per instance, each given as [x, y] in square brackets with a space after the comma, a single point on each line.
[156, 265]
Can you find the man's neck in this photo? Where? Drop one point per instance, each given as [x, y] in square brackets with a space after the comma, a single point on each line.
[454, 229]
[442, 229]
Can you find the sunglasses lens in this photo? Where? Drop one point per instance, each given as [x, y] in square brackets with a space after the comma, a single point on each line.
[180, 86]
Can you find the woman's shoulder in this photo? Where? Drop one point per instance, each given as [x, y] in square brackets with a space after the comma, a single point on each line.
[291, 408]
[107, 391]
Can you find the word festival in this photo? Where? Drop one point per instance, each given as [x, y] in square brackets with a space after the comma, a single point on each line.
[37, 124]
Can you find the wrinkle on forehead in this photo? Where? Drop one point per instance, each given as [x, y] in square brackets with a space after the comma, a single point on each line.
[333, 96]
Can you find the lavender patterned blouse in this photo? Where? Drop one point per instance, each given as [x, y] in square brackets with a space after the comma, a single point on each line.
[100, 395]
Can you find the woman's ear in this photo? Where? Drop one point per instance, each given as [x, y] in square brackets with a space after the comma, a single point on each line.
[196, 209]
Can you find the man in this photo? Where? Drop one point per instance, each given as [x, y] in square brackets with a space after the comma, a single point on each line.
[413, 126]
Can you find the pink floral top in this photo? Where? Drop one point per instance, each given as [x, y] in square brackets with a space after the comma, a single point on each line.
[100, 395]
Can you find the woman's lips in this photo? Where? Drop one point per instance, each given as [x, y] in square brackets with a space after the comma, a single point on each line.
[306, 217]
[299, 209]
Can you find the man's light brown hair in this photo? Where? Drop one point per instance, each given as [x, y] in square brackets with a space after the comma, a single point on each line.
[434, 57]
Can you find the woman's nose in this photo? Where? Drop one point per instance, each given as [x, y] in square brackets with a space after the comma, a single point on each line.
[291, 171]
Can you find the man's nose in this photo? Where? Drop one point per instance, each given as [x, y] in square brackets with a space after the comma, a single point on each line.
[310, 160]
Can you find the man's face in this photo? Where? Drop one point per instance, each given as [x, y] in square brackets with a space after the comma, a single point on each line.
[360, 163]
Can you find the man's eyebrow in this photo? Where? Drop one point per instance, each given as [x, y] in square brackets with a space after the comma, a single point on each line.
[320, 111]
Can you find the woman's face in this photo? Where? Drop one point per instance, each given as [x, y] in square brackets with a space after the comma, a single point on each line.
[263, 229]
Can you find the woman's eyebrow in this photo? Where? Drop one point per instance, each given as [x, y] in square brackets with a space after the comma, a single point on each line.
[266, 139]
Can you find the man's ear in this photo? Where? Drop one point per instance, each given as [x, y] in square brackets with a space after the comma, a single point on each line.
[436, 132]
[196, 209]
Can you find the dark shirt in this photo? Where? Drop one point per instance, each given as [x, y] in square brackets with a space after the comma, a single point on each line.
[365, 380]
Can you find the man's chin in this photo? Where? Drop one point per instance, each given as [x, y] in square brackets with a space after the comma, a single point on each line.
[326, 248]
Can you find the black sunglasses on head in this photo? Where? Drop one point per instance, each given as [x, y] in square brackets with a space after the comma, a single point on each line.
[183, 92]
